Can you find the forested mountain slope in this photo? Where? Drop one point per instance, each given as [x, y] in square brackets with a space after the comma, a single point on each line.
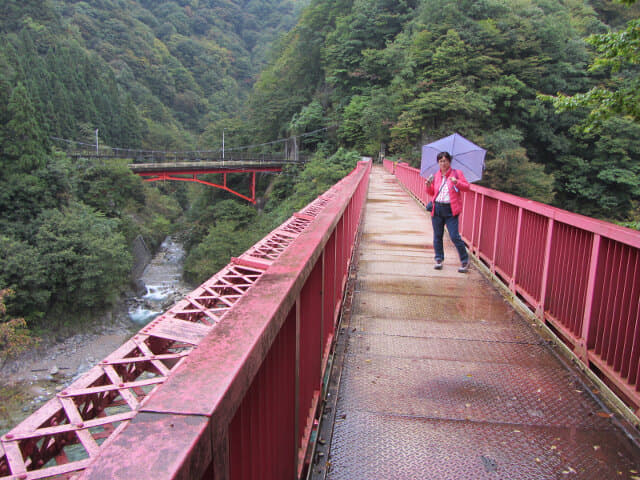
[394, 75]
[357, 76]
[144, 74]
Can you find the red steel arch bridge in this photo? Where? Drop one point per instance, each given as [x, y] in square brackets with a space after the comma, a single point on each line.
[190, 166]
[292, 363]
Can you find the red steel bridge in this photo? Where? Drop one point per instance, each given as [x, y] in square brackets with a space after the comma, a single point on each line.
[189, 166]
[332, 349]
[191, 171]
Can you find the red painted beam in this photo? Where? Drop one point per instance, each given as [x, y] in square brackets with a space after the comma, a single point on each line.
[244, 378]
[170, 175]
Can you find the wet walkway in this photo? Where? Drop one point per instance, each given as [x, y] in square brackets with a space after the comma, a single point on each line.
[442, 379]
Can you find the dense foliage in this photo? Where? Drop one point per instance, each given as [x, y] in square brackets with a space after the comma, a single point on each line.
[15, 337]
[618, 51]
[227, 228]
[144, 73]
[395, 75]
[138, 73]
[364, 76]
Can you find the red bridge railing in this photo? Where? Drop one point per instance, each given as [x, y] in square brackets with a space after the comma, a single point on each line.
[244, 404]
[579, 275]
[226, 384]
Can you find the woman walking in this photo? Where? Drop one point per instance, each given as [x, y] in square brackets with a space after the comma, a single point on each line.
[447, 205]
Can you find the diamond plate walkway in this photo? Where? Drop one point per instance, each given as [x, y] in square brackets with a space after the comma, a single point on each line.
[442, 379]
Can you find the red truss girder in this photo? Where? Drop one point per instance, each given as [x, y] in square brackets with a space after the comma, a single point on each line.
[170, 175]
[91, 411]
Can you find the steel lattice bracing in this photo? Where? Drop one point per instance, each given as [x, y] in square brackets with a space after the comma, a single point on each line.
[64, 436]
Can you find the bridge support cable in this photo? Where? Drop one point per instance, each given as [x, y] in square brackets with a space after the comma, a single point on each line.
[77, 149]
[579, 276]
[232, 373]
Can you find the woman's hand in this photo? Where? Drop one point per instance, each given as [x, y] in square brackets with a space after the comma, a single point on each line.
[454, 180]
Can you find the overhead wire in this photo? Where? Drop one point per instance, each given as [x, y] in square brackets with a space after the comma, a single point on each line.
[175, 152]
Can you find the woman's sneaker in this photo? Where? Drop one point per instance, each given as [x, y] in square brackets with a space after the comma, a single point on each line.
[464, 268]
[438, 265]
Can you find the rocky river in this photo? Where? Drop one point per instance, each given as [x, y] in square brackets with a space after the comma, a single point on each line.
[33, 378]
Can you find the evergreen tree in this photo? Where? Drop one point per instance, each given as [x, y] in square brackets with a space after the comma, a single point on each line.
[618, 95]
[24, 142]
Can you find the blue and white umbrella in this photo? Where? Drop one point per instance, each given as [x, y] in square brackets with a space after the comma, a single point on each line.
[465, 156]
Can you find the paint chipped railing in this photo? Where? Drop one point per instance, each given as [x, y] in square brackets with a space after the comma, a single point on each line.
[226, 382]
[581, 276]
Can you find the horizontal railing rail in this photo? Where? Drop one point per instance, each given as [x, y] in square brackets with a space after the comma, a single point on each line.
[227, 383]
[245, 404]
[581, 276]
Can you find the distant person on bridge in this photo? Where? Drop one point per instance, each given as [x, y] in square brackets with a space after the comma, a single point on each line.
[447, 205]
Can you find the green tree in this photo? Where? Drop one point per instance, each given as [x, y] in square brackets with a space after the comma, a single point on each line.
[618, 52]
[222, 242]
[108, 187]
[603, 178]
[22, 271]
[24, 141]
[310, 119]
[85, 259]
[320, 174]
[509, 168]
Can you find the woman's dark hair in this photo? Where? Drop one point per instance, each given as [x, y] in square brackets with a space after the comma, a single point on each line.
[443, 154]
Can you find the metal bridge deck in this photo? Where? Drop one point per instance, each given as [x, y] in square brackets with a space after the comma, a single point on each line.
[442, 379]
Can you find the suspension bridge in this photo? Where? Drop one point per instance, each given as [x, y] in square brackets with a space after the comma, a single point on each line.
[331, 349]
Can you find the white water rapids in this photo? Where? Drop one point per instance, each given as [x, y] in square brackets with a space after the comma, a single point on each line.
[163, 281]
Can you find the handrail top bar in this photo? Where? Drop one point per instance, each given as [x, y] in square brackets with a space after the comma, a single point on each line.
[603, 228]
[214, 379]
[593, 225]
[250, 323]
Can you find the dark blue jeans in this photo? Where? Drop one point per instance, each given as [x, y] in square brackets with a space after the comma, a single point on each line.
[442, 216]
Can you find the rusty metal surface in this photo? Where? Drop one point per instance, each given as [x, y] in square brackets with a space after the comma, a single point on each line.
[246, 362]
[70, 431]
[405, 448]
[162, 435]
[442, 379]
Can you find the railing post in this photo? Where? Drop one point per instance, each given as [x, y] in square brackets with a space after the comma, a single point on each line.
[582, 348]
[492, 265]
[480, 222]
[473, 222]
[545, 270]
[297, 462]
[516, 253]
